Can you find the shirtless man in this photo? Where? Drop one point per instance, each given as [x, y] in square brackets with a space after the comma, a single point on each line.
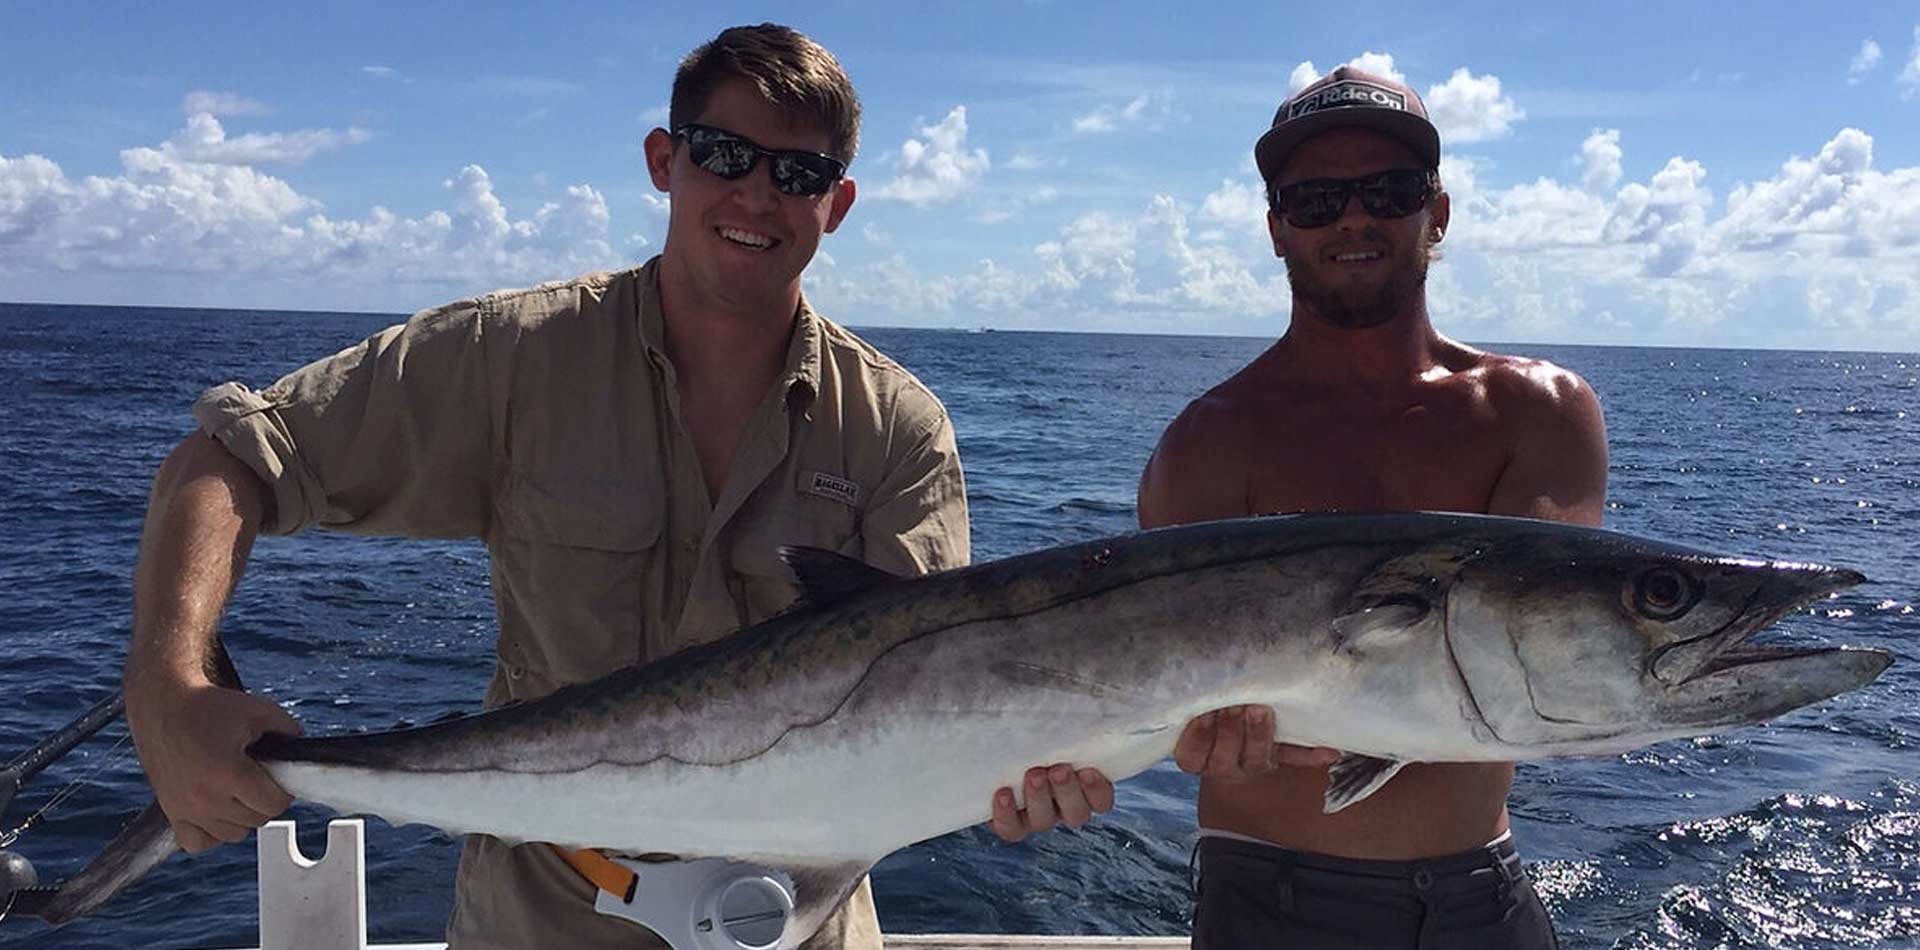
[1363, 406]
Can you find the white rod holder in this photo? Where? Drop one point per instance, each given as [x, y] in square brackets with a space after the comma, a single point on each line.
[313, 905]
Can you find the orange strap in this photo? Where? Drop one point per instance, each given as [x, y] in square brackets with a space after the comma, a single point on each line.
[601, 871]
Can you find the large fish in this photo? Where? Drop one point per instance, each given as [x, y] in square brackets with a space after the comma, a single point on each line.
[882, 711]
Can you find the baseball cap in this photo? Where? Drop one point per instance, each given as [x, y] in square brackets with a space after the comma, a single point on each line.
[1348, 96]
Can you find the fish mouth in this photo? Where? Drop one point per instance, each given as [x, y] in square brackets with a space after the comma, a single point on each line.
[1794, 587]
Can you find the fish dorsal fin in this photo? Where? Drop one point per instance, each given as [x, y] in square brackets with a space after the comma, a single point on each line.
[1356, 776]
[827, 577]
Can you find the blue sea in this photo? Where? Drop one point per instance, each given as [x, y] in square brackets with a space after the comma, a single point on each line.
[1801, 833]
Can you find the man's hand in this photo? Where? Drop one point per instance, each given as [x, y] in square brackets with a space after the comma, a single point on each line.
[192, 741]
[1056, 794]
[1237, 743]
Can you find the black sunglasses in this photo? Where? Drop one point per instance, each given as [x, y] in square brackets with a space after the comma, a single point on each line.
[730, 156]
[1318, 202]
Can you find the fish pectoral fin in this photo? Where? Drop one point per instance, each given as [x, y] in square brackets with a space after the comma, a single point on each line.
[827, 577]
[1022, 673]
[1355, 777]
[1377, 625]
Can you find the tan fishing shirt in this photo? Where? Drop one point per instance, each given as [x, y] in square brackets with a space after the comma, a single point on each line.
[546, 421]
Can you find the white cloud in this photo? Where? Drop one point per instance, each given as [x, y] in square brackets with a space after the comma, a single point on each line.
[1141, 271]
[1909, 80]
[1380, 64]
[1539, 215]
[875, 234]
[1863, 62]
[1834, 202]
[171, 210]
[205, 140]
[382, 72]
[221, 103]
[1469, 108]
[1303, 76]
[658, 115]
[1669, 213]
[1239, 205]
[1600, 160]
[1011, 205]
[1146, 110]
[937, 168]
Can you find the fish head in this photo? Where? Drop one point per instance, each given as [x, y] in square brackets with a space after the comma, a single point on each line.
[1574, 640]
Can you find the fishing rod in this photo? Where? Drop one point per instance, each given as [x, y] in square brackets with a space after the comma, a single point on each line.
[62, 741]
[18, 878]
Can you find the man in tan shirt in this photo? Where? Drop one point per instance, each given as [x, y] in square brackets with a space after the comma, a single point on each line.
[632, 447]
[1363, 406]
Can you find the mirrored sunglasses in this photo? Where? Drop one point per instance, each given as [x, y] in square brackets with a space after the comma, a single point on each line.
[1318, 202]
[730, 156]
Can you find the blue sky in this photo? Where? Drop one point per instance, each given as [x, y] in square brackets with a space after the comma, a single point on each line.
[1653, 174]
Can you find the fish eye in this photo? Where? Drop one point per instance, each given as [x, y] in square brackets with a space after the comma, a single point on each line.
[1664, 593]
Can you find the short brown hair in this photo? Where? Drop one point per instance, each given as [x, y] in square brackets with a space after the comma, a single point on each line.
[790, 70]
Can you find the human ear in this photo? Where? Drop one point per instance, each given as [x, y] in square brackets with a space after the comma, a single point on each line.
[659, 151]
[843, 194]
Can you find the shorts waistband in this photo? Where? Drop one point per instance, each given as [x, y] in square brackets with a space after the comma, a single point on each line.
[1498, 854]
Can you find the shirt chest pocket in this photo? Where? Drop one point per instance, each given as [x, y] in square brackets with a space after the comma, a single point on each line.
[576, 564]
[782, 517]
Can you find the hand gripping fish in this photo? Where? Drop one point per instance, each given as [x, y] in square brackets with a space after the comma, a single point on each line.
[1398, 638]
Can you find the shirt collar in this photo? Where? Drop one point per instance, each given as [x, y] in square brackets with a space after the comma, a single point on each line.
[803, 350]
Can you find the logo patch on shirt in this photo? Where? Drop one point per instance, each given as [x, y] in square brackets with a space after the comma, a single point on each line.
[833, 486]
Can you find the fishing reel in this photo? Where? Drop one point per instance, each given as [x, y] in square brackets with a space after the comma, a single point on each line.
[706, 904]
[16, 875]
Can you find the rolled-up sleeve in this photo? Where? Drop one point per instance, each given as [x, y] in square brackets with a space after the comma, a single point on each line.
[917, 522]
[393, 436]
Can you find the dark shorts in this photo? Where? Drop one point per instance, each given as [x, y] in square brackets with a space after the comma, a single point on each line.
[1260, 897]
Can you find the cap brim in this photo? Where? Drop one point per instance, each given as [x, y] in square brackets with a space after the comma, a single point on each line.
[1271, 152]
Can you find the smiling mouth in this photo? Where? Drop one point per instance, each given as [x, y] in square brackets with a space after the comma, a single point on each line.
[753, 240]
[1357, 257]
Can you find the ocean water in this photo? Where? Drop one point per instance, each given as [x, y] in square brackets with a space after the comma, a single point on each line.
[1801, 833]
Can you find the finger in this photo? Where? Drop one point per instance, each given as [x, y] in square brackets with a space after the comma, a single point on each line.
[1196, 740]
[1256, 755]
[1068, 800]
[1006, 817]
[1098, 790]
[261, 795]
[276, 719]
[1040, 815]
[1305, 756]
[227, 831]
[1229, 739]
[192, 839]
[241, 813]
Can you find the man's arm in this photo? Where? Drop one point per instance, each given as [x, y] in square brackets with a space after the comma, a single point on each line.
[1198, 472]
[1558, 471]
[204, 512]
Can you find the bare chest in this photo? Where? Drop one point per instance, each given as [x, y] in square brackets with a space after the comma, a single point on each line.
[1443, 456]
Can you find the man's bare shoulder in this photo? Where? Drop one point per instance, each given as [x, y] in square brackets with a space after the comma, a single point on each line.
[1559, 465]
[1529, 389]
[1198, 470]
